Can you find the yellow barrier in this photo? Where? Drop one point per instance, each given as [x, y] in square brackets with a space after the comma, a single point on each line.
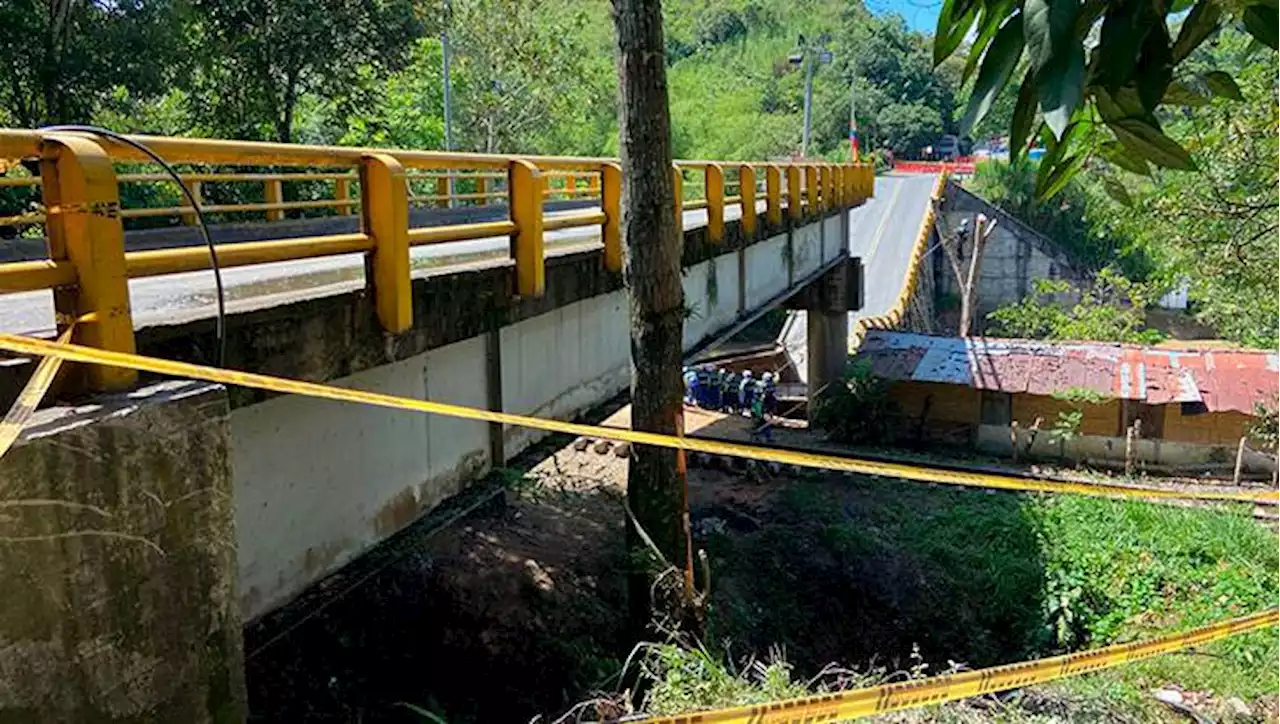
[856, 703]
[78, 353]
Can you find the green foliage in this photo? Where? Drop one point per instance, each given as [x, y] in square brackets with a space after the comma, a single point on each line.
[1264, 431]
[1217, 227]
[986, 579]
[1081, 219]
[687, 678]
[61, 60]
[1111, 310]
[1100, 73]
[856, 408]
[259, 59]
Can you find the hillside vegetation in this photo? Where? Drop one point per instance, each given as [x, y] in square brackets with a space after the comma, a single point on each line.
[527, 75]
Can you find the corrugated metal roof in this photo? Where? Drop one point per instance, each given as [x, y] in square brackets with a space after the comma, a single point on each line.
[1223, 379]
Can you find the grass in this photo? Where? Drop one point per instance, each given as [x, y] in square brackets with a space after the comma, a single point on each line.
[870, 570]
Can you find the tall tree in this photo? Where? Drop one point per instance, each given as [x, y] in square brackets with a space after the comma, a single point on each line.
[59, 59]
[262, 56]
[657, 493]
[1101, 74]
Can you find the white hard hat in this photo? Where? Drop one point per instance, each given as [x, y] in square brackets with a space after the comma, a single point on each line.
[746, 373]
[768, 375]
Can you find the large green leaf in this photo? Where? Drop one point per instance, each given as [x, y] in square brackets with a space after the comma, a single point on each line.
[988, 23]
[1223, 85]
[1049, 26]
[1197, 26]
[954, 20]
[1024, 113]
[1061, 174]
[1120, 41]
[1117, 154]
[1147, 141]
[1155, 66]
[1060, 88]
[1261, 22]
[1001, 58]
[1180, 94]
[1116, 190]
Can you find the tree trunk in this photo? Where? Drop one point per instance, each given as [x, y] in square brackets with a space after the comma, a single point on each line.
[969, 291]
[656, 485]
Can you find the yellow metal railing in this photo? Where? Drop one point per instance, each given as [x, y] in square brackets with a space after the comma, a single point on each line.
[84, 223]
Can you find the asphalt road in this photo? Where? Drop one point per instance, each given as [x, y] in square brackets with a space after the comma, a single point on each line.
[183, 297]
[883, 233]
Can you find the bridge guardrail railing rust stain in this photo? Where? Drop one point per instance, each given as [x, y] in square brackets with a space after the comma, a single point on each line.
[79, 204]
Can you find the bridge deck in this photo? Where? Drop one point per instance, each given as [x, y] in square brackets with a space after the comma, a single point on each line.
[183, 297]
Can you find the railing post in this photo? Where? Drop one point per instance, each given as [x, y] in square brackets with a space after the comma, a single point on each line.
[828, 187]
[442, 191]
[525, 189]
[194, 187]
[812, 187]
[795, 206]
[715, 202]
[385, 208]
[84, 227]
[747, 192]
[482, 188]
[273, 193]
[849, 179]
[570, 186]
[773, 194]
[593, 185]
[611, 204]
[677, 183]
[342, 192]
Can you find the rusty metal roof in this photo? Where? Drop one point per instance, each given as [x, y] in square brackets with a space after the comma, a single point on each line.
[1232, 379]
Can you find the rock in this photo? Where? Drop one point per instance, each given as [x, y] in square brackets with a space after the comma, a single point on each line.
[1172, 697]
[602, 447]
[581, 443]
[623, 450]
[1238, 707]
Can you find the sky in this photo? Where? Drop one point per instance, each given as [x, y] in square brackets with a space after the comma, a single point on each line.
[921, 15]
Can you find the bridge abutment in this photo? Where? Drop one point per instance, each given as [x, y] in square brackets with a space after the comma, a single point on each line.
[118, 556]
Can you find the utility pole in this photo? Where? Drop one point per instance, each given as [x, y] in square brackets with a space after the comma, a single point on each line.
[809, 56]
[448, 91]
[853, 112]
[808, 105]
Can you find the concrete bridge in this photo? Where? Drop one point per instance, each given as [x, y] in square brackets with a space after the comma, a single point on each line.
[192, 509]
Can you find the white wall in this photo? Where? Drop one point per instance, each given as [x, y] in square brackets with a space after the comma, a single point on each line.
[317, 481]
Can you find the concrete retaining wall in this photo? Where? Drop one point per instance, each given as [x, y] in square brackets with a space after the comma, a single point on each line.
[1108, 449]
[119, 570]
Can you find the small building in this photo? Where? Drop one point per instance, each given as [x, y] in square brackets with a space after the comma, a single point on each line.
[1186, 408]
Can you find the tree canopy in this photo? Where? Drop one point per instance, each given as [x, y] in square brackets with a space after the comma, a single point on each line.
[1098, 78]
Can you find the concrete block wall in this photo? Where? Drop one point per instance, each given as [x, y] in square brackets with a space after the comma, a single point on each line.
[1015, 255]
[119, 600]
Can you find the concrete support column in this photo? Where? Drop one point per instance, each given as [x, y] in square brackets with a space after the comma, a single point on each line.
[827, 328]
[118, 562]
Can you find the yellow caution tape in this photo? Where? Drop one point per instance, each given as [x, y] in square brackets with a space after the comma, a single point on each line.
[79, 353]
[888, 698]
[29, 399]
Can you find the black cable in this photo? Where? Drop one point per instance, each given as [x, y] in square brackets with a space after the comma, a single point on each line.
[220, 329]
